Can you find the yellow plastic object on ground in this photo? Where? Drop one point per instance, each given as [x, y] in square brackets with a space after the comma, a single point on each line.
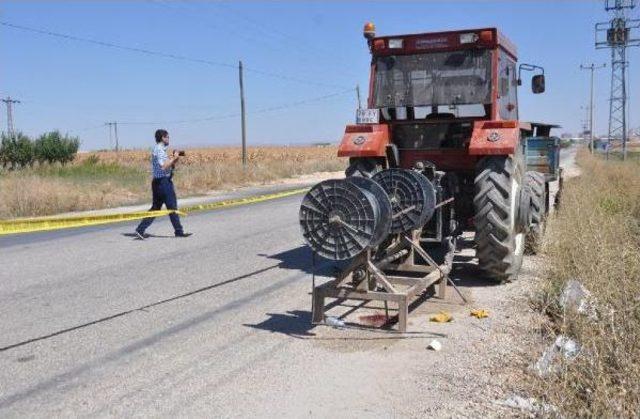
[442, 317]
[479, 313]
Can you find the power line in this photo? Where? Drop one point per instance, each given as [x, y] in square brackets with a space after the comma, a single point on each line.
[198, 16]
[116, 46]
[88, 128]
[259, 25]
[275, 34]
[294, 41]
[160, 54]
[303, 102]
[220, 117]
[237, 114]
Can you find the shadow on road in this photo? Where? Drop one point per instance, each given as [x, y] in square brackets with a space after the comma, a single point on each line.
[296, 323]
[301, 259]
[148, 236]
[465, 273]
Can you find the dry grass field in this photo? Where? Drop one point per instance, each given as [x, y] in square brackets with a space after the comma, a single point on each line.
[220, 155]
[595, 239]
[109, 179]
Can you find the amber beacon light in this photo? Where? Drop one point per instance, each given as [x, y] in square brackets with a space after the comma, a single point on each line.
[369, 30]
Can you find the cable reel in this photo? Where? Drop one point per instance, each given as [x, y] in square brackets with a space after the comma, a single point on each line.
[340, 219]
[412, 196]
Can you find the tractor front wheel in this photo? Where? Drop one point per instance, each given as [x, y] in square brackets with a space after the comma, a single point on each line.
[499, 237]
[364, 167]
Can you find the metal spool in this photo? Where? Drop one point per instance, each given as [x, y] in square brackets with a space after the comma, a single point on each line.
[383, 226]
[413, 198]
[339, 219]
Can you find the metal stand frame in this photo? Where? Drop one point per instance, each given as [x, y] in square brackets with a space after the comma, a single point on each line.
[385, 279]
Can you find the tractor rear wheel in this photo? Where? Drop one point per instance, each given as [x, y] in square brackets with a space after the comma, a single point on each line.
[499, 237]
[534, 185]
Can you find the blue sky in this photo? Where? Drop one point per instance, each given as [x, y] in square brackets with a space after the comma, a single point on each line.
[75, 87]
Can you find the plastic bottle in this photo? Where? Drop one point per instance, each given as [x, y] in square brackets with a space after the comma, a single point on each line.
[334, 322]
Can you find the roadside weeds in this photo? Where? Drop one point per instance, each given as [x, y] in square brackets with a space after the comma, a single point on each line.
[594, 241]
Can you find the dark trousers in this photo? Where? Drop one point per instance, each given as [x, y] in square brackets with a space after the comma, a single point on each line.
[163, 193]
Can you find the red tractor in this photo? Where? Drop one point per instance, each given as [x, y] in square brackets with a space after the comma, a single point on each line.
[446, 104]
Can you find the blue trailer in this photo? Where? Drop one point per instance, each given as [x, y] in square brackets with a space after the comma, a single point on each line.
[542, 153]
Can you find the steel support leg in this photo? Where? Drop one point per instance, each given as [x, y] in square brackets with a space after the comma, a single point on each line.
[442, 288]
[403, 312]
[317, 316]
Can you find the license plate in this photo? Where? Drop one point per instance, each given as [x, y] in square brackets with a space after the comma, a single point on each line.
[367, 116]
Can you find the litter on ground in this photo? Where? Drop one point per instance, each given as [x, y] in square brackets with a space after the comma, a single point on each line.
[435, 345]
[442, 317]
[479, 313]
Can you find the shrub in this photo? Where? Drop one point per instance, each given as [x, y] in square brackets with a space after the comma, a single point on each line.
[4, 150]
[16, 151]
[92, 160]
[52, 147]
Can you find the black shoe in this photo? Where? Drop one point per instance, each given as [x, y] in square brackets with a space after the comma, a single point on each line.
[138, 235]
[183, 234]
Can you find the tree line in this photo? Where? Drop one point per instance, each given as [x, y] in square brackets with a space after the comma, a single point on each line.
[20, 151]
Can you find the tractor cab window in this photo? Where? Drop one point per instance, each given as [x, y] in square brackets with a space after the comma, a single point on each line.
[458, 81]
[507, 87]
[438, 112]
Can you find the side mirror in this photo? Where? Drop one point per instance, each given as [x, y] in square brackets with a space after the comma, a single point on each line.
[537, 83]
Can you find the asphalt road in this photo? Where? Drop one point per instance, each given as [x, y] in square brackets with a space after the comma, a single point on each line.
[163, 325]
[95, 323]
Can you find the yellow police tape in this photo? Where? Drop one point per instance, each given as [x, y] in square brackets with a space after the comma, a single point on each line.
[30, 225]
[242, 201]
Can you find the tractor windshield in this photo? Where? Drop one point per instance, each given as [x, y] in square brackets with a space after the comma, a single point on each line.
[433, 79]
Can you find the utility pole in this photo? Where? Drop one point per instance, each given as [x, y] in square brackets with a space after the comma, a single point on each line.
[113, 124]
[591, 67]
[110, 136]
[618, 34]
[9, 102]
[244, 129]
[115, 129]
[585, 121]
[358, 94]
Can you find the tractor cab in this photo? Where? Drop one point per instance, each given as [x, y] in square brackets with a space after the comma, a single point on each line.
[436, 93]
[444, 76]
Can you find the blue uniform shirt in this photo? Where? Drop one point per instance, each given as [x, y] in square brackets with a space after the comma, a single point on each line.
[158, 158]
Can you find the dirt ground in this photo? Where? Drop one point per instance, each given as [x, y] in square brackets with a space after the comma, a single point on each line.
[482, 361]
